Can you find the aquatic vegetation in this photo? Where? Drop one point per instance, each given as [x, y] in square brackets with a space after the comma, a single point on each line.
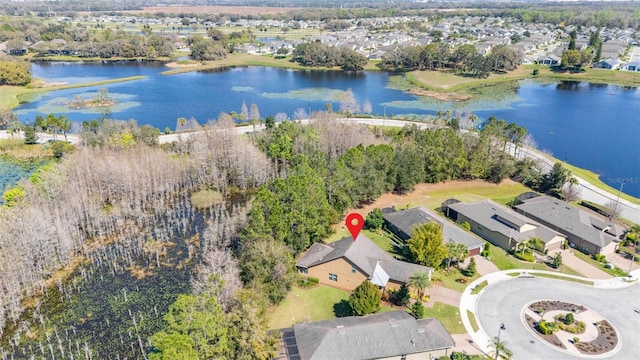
[308, 94]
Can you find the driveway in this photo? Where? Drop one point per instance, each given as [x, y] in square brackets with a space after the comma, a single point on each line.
[581, 266]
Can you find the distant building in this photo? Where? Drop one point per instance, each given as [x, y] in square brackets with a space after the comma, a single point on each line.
[502, 226]
[345, 264]
[608, 64]
[402, 222]
[390, 335]
[587, 232]
[632, 66]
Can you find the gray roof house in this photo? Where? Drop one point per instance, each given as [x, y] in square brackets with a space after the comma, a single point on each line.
[589, 233]
[380, 336]
[501, 226]
[402, 222]
[347, 263]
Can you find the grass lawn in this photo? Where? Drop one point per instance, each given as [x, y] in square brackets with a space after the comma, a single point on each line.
[613, 272]
[450, 82]
[449, 280]
[306, 305]
[319, 303]
[560, 277]
[448, 315]
[505, 261]
[472, 320]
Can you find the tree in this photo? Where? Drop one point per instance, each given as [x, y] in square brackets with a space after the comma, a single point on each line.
[365, 299]
[244, 112]
[456, 253]
[417, 310]
[402, 296]
[30, 136]
[15, 72]
[419, 281]
[374, 219]
[254, 115]
[195, 323]
[270, 122]
[366, 107]
[7, 117]
[571, 190]
[572, 40]
[557, 260]
[348, 104]
[613, 209]
[471, 268]
[208, 49]
[500, 349]
[555, 179]
[425, 246]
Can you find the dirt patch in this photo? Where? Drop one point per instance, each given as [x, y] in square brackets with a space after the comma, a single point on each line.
[541, 307]
[440, 96]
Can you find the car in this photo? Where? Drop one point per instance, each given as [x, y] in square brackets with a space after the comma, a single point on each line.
[637, 310]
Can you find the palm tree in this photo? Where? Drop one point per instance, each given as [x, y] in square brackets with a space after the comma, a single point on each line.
[500, 348]
[419, 281]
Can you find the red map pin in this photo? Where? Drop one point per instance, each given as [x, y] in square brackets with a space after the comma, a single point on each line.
[355, 222]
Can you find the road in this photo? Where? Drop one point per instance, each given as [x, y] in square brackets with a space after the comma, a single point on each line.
[589, 192]
[503, 302]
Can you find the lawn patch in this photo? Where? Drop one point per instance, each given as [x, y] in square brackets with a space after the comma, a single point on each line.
[307, 305]
[472, 320]
[448, 315]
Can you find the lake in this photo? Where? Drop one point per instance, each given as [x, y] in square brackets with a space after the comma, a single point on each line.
[591, 126]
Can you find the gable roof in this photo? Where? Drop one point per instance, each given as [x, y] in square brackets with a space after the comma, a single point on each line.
[364, 254]
[571, 220]
[406, 220]
[369, 337]
[509, 223]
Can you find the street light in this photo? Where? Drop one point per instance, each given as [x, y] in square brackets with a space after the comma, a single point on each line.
[498, 341]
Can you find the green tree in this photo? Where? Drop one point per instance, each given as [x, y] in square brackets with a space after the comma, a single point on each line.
[270, 122]
[59, 148]
[249, 325]
[15, 72]
[417, 310]
[419, 281]
[402, 296]
[557, 260]
[365, 299]
[471, 268]
[267, 266]
[426, 246]
[555, 179]
[456, 252]
[30, 136]
[195, 323]
[374, 219]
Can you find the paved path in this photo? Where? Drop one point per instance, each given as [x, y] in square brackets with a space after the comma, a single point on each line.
[581, 266]
[443, 295]
[484, 266]
[503, 301]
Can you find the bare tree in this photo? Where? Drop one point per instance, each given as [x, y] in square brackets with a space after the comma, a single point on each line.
[613, 209]
[300, 114]
[281, 117]
[348, 103]
[366, 107]
[571, 190]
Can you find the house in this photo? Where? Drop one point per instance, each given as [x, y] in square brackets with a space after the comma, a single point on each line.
[401, 223]
[390, 335]
[609, 64]
[587, 232]
[502, 226]
[632, 66]
[549, 60]
[346, 263]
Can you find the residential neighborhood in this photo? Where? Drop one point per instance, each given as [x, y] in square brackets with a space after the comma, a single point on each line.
[374, 37]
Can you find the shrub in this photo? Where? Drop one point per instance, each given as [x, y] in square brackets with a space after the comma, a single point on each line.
[568, 319]
[365, 299]
[465, 225]
[547, 327]
[402, 296]
[306, 281]
[374, 219]
[600, 258]
[535, 72]
[471, 268]
[417, 310]
[485, 251]
[576, 339]
[527, 256]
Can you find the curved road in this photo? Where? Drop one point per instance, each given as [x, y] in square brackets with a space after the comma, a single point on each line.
[504, 299]
[589, 192]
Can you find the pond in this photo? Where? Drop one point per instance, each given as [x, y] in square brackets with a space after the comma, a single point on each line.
[591, 126]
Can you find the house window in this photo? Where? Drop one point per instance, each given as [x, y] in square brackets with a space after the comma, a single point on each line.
[353, 269]
[333, 277]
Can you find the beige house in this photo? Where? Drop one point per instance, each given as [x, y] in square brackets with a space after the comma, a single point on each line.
[502, 226]
[585, 231]
[391, 335]
[346, 263]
